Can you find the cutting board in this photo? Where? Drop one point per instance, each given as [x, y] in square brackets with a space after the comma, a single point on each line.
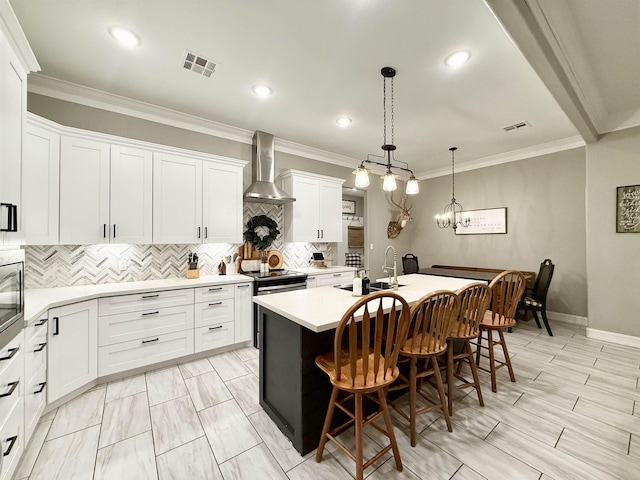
[249, 252]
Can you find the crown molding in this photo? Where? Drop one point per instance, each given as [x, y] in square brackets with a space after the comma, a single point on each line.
[16, 37]
[90, 97]
[513, 156]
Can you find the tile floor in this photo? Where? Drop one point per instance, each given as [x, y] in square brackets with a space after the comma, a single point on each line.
[571, 415]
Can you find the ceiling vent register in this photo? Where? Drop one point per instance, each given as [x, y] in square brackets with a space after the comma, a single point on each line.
[516, 126]
[198, 64]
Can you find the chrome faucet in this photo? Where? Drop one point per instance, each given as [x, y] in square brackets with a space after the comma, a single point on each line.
[387, 268]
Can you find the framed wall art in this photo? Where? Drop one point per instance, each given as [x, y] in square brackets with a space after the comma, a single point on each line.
[628, 209]
[348, 207]
[485, 222]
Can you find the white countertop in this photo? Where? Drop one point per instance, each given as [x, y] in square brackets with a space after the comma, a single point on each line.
[320, 309]
[320, 271]
[38, 301]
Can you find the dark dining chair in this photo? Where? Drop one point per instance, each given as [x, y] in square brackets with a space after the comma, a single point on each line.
[410, 264]
[535, 300]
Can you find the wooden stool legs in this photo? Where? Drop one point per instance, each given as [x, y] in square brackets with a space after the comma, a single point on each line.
[492, 360]
[468, 356]
[327, 423]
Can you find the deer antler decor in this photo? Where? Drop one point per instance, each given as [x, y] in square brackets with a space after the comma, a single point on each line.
[394, 228]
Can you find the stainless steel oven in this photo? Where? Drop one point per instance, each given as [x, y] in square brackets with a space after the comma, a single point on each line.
[11, 294]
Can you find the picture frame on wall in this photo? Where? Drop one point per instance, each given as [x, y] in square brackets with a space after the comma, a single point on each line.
[485, 222]
[628, 209]
[348, 207]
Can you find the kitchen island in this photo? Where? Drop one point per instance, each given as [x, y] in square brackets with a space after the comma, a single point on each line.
[296, 327]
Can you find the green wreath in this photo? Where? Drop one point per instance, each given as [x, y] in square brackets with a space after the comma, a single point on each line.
[261, 243]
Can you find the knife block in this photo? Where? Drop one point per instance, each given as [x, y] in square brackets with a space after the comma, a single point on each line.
[193, 273]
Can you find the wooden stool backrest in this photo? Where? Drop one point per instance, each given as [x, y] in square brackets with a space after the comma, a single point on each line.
[474, 301]
[506, 291]
[431, 320]
[380, 331]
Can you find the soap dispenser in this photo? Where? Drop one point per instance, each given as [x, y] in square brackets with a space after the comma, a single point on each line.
[357, 285]
[365, 283]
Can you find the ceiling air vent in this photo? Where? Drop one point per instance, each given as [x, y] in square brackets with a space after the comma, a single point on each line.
[198, 64]
[516, 126]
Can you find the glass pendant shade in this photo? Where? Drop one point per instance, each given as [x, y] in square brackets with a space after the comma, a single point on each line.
[362, 177]
[389, 182]
[412, 186]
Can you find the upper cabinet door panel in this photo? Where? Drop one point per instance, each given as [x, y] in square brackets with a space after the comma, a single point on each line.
[330, 212]
[40, 186]
[84, 191]
[177, 199]
[222, 203]
[131, 195]
[304, 225]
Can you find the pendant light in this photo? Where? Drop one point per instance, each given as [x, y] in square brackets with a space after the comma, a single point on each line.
[389, 183]
[452, 215]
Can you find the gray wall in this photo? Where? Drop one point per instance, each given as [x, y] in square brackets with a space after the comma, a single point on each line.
[545, 203]
[613, 261]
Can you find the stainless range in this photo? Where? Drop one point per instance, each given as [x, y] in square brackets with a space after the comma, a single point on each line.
[276, 281]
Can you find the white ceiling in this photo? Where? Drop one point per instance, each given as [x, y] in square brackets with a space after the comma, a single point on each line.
[323, 60]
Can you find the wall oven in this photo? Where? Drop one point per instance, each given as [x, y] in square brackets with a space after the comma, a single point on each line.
[11, 294]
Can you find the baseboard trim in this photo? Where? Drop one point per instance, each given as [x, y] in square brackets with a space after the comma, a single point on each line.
[613, 337]
[566, 318]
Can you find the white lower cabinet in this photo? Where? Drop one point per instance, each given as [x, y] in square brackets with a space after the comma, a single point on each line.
[72, 348]
[214, 336]
[214, 311]
[243, 312]
[330, 279]
[35, 375]
[146, 351]
[12, 439]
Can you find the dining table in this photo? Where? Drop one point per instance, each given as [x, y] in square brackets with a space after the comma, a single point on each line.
[455, 273]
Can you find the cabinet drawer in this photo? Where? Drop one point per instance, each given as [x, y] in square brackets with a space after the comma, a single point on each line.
[218, 311]
[213, 293]
[144, 301]
[11, 386]
[138, 353]
[35, 395]
[214, 336]
[35, 355]
[37, 329]
[139, 325]
[10, 353]
[334, 279]
[11, 441]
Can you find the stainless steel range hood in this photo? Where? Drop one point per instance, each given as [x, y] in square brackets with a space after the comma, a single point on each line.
[263, 189]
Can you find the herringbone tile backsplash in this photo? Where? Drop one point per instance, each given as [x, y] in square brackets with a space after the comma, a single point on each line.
[50, 266]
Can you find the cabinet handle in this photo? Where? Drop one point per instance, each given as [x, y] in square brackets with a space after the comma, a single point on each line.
[318, 235]
[243, 286]
[151, 313]
[215, 289]
[41, 385]
[114, 230]
[337, 274]
[215, 328]
[12, 442]
[56, 326]
[40, 347]
[104, 230]
[215, 303]
[322, 233]
[206, 232]
[13, 386]
[151, 296]
[12, 352]
[152, 340]
[12, 217]
[41, 322]
[198, 232]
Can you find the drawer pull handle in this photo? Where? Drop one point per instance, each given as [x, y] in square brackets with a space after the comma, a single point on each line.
[151, 313]
[56, 326]
[152, 340]
[215, 289]
[40, 390]
[215, 304]
[243, 286]
[215, 328]
[40, 347]
[337, 274]
[13, 386]
[12, 352]
[151, 296]
[12, 442]
[41, 322]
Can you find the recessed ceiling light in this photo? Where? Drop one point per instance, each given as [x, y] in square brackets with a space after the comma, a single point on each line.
[124, 36]
[262, 90]
[343, 121]
[457, 59]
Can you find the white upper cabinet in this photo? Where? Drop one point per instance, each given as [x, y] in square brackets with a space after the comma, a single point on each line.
[40, 185]
[105, 193]
[84, 191]
[131, 195]
[316, 215]
[196, 201]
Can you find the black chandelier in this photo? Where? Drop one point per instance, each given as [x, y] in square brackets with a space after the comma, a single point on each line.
[453, 212]
[389, 178]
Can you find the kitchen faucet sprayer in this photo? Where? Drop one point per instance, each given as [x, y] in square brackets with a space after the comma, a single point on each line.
[387, 268]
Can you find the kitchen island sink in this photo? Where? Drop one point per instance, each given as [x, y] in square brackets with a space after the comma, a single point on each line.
[373, 286]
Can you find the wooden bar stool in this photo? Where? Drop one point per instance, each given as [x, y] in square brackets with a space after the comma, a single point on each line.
[364, 362]
[506, 290]
[474, 301]
[431, 320]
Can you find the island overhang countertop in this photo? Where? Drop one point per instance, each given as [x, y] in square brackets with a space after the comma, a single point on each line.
[320, 309]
